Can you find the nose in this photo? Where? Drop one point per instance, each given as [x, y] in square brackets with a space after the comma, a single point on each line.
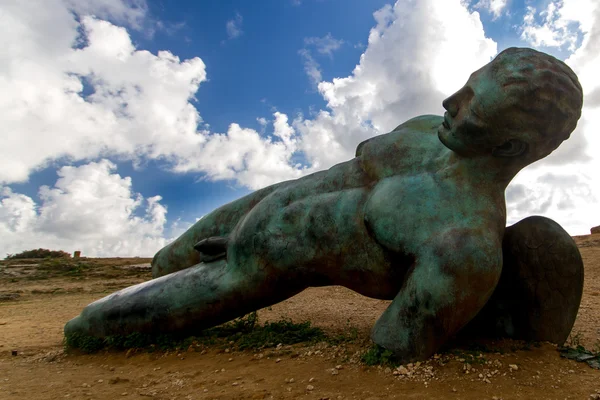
[451, 104]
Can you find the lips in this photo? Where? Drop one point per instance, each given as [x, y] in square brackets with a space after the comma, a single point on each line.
[446, 123]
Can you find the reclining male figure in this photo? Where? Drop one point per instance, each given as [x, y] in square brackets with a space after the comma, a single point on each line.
[418, 216]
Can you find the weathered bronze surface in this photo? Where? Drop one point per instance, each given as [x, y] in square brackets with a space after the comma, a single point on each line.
[540, 288]
[417, 217]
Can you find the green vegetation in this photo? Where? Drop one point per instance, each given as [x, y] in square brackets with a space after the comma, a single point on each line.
[377, 355]
[38, 253]
[242, 333]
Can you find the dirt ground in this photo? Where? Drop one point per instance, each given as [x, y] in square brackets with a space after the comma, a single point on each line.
[36, 301]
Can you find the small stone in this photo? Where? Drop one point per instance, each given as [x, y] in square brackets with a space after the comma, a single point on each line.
[513, 367]
[454, 390]
[227, 350]
[403, 370]
[231, 359]
[311, 380]
[388, 370]
[205, 390]
[234, 384]
[339, 367]
[100, 380]
[124, 394]
[334, 371]
[222, 369]
[310, 387]
[278, 360]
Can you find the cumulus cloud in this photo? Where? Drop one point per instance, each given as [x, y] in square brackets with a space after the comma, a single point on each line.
[107, 98]
[90, 208]
[77, 87]
[409, 66]
[565, 186]
[559, 24]
[234, 26]
[138, 106]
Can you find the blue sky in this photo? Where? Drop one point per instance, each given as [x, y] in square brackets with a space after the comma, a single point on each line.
[143, 106]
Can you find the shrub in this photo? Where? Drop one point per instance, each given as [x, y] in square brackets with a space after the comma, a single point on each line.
[39, 253]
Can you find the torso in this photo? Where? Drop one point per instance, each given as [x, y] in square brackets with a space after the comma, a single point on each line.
[362, 223]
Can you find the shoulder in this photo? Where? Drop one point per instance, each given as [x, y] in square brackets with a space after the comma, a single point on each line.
[422, 124]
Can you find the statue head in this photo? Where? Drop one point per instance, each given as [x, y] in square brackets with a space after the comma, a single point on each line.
[520, 106]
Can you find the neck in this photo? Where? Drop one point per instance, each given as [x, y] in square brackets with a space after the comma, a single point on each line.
[486, 171]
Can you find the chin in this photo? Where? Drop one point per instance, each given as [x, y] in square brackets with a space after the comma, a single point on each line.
[443, 135]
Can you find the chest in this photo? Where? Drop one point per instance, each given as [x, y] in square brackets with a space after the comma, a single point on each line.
[405, 212]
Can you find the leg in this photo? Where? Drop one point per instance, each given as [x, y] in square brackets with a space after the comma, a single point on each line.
[196, 298]
[180, 254]
[540, 289]
[447, 287]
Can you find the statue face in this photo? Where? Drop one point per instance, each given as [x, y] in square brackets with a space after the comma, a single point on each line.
[480, 117]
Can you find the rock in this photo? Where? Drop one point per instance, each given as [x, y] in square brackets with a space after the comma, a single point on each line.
[595, 230]
[513, 367]
[310, 387]
[113, 381]
[403, 370]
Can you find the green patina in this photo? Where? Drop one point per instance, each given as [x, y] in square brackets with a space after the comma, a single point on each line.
[417, 217]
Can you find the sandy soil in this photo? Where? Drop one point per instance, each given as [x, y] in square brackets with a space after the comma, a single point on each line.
[35, 304]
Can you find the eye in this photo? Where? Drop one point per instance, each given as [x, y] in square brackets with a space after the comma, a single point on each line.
[510, 148]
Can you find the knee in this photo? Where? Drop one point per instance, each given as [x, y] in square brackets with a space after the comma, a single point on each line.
[174, 257]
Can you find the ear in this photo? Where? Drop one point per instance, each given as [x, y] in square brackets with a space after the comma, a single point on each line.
[510, 148]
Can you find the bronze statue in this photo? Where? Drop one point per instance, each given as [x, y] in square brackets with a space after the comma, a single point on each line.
[418, 216]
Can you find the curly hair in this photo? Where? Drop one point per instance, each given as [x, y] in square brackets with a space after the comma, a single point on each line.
[546, 93]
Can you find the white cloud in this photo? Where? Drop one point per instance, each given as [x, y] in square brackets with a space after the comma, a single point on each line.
[558, 24]
[408, 68]
[234, 27]
[324, 45]
[128, 12]
[417, 54]
[311, 67]
[565, 186]
[495, 7]
[139, 106]
[90, 208]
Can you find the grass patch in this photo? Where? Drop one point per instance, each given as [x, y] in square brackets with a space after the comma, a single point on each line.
[377, 355]
[242, 333]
